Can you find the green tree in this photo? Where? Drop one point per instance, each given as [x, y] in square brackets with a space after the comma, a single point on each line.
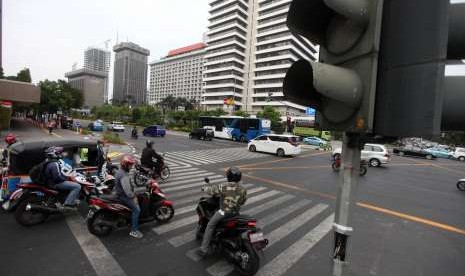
[24, 75]
[168, 103]
[241, 113]
[274, 116]
[58, 95]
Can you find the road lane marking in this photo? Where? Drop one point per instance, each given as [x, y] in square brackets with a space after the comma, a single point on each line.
[199, 180]
[282, 160]
[281, 263]
[368, 206]
[101, 260]
[284, 212]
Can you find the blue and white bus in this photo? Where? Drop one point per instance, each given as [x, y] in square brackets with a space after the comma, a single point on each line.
[236, 128]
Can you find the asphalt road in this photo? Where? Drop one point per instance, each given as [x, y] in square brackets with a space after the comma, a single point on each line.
[409, 219]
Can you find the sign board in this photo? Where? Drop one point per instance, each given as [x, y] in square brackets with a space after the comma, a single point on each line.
[310, 111]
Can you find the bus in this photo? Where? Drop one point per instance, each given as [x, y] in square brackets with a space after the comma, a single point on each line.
[306, 127]
[236, 128]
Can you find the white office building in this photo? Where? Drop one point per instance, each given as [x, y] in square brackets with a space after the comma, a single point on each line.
[179, 74]
[249, 50]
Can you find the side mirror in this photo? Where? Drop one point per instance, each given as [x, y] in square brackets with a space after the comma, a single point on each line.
[207, 180]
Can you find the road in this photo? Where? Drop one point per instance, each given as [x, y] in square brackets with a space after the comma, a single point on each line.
[408, 220]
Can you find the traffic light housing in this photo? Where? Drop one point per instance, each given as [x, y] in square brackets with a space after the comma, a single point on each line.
[342, 86]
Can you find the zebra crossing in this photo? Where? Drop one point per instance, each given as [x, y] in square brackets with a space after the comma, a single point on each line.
[279, 214]
[187, 159]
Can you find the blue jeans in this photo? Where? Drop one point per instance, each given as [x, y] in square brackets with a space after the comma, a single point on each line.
[135, 211]
[74, 189]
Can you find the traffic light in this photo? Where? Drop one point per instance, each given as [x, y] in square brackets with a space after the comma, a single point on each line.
[414, 97]
[342, 86]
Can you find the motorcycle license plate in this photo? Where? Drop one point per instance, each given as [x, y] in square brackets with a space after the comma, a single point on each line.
[256, 237]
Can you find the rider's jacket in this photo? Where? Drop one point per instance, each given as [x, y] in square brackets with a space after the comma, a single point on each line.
[232, 195]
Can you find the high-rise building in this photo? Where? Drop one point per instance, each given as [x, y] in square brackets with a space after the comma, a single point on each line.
[92, 83]
[179, 74]
[249, 51]
[98, 60]
[130, 73]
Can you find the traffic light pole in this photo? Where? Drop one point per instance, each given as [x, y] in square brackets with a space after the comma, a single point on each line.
[347, 184]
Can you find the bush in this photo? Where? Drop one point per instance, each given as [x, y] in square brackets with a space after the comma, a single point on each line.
[112, 138]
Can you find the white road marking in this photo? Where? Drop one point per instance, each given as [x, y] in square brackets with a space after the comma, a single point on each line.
[101, 260]
[199, 180]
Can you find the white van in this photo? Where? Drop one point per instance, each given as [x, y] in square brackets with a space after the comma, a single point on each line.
[281, 145]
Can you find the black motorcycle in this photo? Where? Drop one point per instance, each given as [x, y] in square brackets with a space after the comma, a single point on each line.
[238, 238]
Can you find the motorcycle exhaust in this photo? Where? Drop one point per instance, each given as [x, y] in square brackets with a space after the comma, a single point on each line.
[41, 209]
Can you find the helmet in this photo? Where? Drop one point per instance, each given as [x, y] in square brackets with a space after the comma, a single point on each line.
[149, 143]
[233, 174]
[127, 161]
[10, 138]
[54, 152]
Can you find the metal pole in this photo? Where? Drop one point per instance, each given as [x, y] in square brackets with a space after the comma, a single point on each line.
[348, 180]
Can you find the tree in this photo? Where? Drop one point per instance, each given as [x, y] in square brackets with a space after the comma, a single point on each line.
[2, 75]
[24, 75]
[58, 95]
[241, 113]
[169, 103]
[274, 116]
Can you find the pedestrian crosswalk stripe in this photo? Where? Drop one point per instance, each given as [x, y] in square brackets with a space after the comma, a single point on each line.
[177, 188]
[281, 263]
[198, 180]
[177, 170]
[270, 204]
[187, 158]
[252, 200]
[182, 194]
[183, 173]
[198, 174]
[269, 219]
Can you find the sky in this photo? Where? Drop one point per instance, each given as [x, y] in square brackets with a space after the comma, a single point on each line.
[49, 36]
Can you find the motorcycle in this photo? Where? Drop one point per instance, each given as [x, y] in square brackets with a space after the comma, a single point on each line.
[134, 135]
[163, 171]
[461, 184]
[337, 161]
[238, 238]
[35, 203]
[106, 213]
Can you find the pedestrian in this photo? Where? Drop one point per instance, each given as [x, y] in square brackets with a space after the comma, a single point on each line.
[50, 127]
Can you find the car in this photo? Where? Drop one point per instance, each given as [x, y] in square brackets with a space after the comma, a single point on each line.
[201, 134]
[440, 152]
[96, 126]
[459, 154]
[375, 154]
[154, 131]
[314, 141]
[413, 151]
[116, 126]
[281, 145]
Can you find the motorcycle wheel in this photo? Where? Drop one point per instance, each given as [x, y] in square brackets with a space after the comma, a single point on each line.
[363, 170]
[26, 218]
[96, 229]
[165, 173]
[199, 233]
[335, 167]
[250, 262]
[461, 185]
[164, 214]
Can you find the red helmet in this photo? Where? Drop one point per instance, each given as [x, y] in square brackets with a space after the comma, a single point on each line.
[127, 161]
[10, 138]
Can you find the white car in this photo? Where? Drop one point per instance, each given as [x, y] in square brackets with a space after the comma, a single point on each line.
[116, 126]
[374, 154]
[281, 145]
[459, 154]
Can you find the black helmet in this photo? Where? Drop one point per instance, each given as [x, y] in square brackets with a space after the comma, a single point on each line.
[54, 152]
[233, 174]
[149, 143]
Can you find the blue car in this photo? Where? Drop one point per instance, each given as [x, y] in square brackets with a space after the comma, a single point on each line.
[96, 126]
[440, 152]
[314, 141]
[154, 131]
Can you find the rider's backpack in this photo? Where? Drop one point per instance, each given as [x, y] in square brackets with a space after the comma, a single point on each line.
[37, 173]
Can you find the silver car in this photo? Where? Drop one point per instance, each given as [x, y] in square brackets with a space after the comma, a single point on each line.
[374, 154]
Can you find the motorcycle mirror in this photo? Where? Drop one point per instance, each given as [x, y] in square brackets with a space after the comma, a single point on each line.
[207, 180]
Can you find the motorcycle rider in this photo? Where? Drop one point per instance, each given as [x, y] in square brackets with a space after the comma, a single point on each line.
[124, 189]
[57, 180]
[10, 139]
[232, 196]
[148, 154]
[134, 132]
[100, 157]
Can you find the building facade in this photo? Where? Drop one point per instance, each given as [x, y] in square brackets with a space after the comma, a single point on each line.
[179, 74]
[98, 60]
[249, 51]
[93, 85]
[130, 73]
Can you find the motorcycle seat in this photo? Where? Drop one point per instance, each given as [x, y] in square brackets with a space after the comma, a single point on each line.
[239, 218]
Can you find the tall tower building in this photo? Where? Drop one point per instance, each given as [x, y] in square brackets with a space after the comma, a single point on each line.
[130, 73]
[96, 59]
[249, 51]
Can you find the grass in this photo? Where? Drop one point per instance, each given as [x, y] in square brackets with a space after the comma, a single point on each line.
[112, 137]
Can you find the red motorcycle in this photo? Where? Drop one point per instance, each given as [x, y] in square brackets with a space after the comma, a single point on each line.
[337, 161]
[35, 203]
[106, 213]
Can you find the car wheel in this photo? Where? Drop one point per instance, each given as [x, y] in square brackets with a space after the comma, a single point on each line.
[280, 153]
[429, 157]
[401, 153]
[462, 158]
[375, 162]
[321, 145]
[252, 148]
